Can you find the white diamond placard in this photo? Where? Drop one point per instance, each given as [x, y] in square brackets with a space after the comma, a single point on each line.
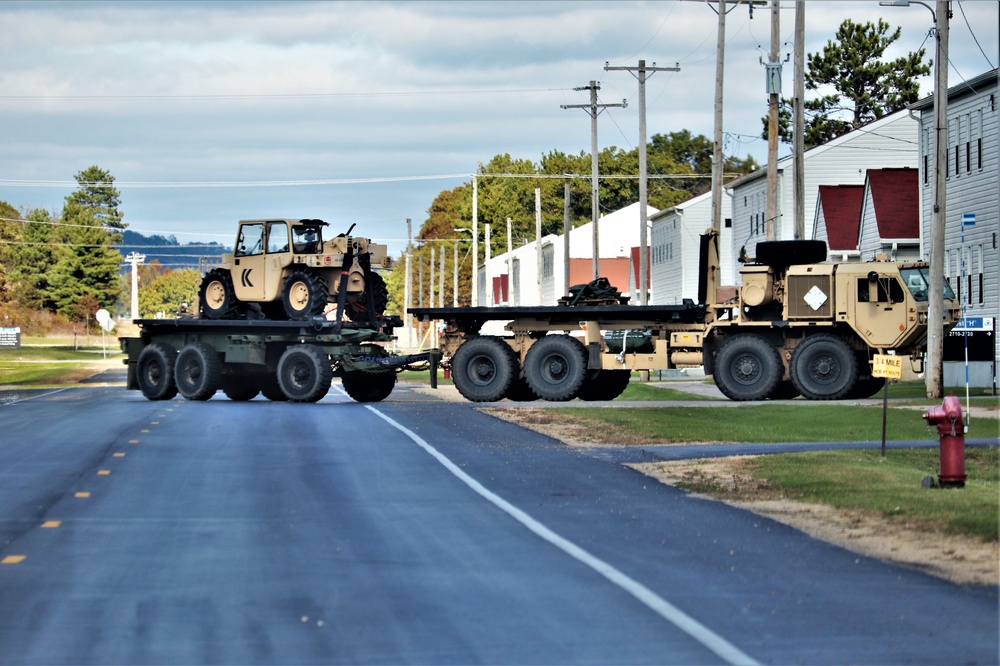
[815, 298]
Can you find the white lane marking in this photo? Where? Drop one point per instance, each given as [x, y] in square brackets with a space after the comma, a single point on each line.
[655, 602]
[33, 397]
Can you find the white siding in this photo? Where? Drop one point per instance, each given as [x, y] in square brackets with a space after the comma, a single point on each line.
[888, 142]
[973, 189]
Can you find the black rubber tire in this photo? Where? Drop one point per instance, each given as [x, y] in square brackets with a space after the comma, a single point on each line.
[866, 387]
[785, 390]
[356, 307]
[368, 386]
[484, 368]
[556, 367]
[824, 367]
[270, 388]
[304, 373]
[217, 296]
[198, 371]
[154, 371]
[605, 385]
[782, 254]
[747, 367]
[304, 295]
[519, 391]
[240, 387]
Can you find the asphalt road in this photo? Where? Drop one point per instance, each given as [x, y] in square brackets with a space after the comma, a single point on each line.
[411, 531]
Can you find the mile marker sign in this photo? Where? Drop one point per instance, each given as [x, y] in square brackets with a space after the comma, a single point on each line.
[890, 367]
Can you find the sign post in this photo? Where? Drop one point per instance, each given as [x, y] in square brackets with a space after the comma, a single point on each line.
[889, 367]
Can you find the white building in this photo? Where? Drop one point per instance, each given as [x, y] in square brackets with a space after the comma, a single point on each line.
[890, 215]
[887, 142]
[675, 239]
[972, 210]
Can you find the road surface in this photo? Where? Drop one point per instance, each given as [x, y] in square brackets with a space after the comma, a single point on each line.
[411, 531]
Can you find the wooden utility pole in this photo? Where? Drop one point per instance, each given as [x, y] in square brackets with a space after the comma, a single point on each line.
[640, 74]
[774, 97]
[935, 304]
[566, 230]
[475, 242]
[717, 164]
[798, 120]
[594, 109]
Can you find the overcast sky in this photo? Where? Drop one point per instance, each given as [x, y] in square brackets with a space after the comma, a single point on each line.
[211, 112]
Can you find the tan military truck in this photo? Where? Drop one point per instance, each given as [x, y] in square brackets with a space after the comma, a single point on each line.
[796, 326]
[295, 269]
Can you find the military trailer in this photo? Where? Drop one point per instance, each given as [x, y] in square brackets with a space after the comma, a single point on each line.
[264, 328]
[797, 326]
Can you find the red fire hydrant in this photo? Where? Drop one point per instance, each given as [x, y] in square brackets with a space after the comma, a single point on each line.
[950, 427]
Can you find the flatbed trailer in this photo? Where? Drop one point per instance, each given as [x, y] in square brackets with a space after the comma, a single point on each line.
[283, 360]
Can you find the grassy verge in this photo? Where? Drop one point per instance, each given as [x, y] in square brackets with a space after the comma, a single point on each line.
[798, 422]
[48, 366]
[890, 486]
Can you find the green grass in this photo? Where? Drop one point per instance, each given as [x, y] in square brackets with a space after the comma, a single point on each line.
[48, 366]
[640, 391]
[891, 486]
[798, 422]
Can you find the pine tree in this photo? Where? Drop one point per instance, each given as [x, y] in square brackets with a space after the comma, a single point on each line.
[852, 84]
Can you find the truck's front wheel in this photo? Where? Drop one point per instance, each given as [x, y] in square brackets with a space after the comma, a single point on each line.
[747, 367]
[484, 368]
[305, 294]
[304, 373]
[824, 367]
[217, 295]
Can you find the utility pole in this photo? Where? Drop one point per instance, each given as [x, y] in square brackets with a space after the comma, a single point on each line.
[408, 285]
[774, 97]
[594, 109]
[640, 74]
[135, 259]
[798, 120]
[935, 302]
[720, 70]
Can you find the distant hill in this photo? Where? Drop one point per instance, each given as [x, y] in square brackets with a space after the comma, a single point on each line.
[168, 251]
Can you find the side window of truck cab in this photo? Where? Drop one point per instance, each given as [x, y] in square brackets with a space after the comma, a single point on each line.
[251, 240]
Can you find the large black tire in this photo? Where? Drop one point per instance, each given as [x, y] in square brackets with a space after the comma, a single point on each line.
[240, 387]
[747, 367]
[369, 386]
[605, 385]
[824, 367]
[556, 367]
[217, 296]
[866, 387]
[484, 368]
[519, 391]
[356, 307]
[304, 373]
[198, 371]
[154, 371]
[305, 294]
[785, 390]
[270, 388]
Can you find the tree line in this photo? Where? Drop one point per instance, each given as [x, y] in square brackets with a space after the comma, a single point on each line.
[67, 265]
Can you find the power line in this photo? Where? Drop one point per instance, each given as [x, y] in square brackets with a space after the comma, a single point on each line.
[275, 96]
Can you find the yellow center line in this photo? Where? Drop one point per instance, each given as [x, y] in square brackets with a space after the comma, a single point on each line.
[13, 559]
[104, 472]
[82, 495]
[119, 455]
[48, 524]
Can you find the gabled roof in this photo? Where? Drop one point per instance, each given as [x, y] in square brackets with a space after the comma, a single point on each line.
[895, 193]
[841, 206]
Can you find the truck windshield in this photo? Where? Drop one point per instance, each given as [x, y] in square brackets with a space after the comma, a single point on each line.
[918, 281]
